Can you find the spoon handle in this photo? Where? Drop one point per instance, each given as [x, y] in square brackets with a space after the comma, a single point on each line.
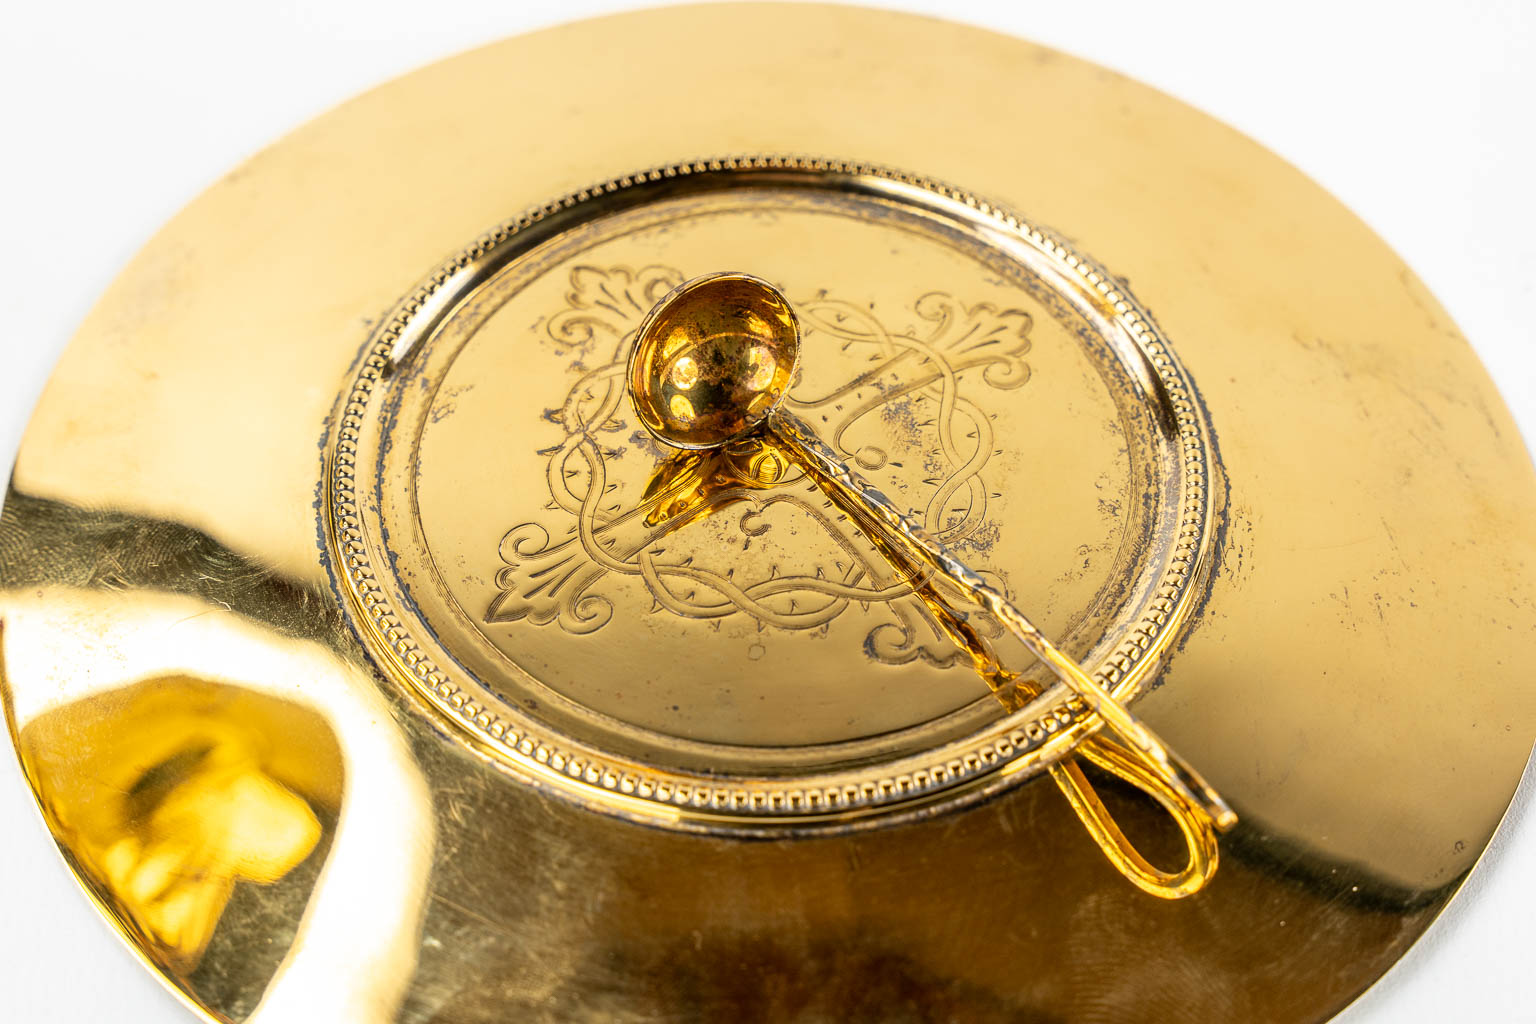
[865, 502]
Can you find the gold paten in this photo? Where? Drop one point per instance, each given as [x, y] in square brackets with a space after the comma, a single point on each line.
[288, 669]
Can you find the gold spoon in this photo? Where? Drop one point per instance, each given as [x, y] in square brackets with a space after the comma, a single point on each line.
[713, 362]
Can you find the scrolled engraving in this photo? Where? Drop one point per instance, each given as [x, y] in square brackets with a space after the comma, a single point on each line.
[926, 380]
[1024, 741]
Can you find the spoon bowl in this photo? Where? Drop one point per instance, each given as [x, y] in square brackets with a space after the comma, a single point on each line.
[712, 359]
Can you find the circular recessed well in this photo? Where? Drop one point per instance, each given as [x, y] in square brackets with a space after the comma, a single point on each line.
[652, 630]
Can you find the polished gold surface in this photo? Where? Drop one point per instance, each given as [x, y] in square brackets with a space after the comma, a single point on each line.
[1208, 372]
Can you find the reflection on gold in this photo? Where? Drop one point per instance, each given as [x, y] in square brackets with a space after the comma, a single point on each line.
[685, 373]
[690, 485]
[762, 367]
[681, 408]
[224, 792]
[171, 791]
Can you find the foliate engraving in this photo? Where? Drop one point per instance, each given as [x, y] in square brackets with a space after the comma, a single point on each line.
[680, 798]
[929, 379]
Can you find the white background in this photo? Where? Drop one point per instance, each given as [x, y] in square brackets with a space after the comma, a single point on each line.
[1420, 115]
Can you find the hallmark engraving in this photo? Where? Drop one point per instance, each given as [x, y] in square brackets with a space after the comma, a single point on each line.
[926, 381]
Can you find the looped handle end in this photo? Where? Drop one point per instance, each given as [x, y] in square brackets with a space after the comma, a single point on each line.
[1194, 824]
